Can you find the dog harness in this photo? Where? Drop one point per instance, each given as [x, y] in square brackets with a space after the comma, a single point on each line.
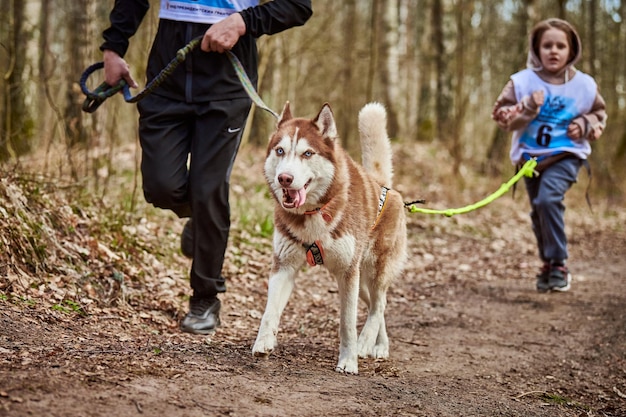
[381, 204]
[315, 251]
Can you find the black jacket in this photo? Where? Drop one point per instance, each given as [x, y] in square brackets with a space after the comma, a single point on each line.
[204, 76]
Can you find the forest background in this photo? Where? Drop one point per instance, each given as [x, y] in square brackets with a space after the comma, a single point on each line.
[93, 284]
[437, 65]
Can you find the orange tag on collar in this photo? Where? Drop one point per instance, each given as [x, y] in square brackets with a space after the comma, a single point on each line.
[315, 254]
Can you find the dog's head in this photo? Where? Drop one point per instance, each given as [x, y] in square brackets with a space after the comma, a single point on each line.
[300, 163]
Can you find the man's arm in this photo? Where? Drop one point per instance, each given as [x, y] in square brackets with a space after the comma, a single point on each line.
[275, 16]
[125, 19]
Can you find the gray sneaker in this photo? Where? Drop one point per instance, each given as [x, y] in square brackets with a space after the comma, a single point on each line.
[203, 316]
[186, 240]
[543, 277]
[560, 279]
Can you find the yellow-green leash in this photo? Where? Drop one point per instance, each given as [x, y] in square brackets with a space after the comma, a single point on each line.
[527, 170]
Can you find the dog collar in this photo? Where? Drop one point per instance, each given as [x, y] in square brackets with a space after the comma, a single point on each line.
[325, 215]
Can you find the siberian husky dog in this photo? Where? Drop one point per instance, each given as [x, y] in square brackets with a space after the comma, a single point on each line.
[333, 212]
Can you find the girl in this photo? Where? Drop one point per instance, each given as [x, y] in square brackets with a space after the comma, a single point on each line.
[554, 112]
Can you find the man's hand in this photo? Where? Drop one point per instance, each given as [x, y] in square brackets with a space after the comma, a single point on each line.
[116, 69]
[223, 35]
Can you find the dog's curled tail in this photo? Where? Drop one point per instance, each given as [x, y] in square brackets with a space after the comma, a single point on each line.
[375, 144]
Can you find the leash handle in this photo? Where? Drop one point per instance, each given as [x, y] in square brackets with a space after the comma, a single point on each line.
[96, 97]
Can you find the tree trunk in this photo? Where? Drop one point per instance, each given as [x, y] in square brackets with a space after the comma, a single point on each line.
[441, 111]
[78, 18]
[460, 101]
[346, 116]
[561, 13]
[374, 48]
[17, 127]
[426, 116]
[391, 69]
[413, 68]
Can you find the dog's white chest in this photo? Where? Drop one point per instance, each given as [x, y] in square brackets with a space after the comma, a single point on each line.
[338, 253]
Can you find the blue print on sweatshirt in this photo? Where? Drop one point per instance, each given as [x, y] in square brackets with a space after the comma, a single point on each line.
[549, 128]
[222, 4]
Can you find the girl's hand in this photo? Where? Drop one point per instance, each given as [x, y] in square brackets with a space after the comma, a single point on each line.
[504, 115]
[595, 132]
[537, 98]
[574, 131]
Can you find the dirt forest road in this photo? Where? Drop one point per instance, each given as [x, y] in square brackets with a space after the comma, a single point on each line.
[469, 336]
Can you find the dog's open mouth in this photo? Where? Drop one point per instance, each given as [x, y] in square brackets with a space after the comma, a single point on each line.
[294, 198]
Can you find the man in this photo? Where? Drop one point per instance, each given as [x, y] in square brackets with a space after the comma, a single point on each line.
[199, 111]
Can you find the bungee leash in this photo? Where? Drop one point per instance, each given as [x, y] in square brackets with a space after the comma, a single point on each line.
[96, 97]
[527, 170]
[247, 84]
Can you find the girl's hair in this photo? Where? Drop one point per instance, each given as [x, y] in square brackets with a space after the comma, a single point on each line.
[559, 24]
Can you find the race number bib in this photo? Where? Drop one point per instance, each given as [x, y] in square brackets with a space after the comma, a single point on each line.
[549, 128]
[202, 11]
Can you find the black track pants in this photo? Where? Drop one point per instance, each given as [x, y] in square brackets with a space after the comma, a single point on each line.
[171, 131]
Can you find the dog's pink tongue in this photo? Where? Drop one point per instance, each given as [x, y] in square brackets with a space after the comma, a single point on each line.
[298, 196]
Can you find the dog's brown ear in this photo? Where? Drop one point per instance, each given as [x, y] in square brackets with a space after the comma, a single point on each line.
[325, 122]
[285, 114]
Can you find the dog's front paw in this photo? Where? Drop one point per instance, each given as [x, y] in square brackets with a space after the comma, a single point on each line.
[380, 352]
[264, 345]
[347, 366]
[377, 351]
[365, 348]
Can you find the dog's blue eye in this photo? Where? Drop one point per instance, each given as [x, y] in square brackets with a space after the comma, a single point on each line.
[280, 151]
[308, 154]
